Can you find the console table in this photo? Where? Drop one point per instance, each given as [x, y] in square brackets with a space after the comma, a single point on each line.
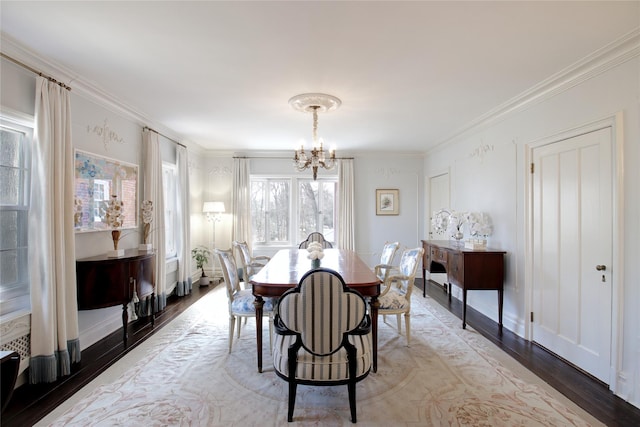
[105, 282]
[470, 269]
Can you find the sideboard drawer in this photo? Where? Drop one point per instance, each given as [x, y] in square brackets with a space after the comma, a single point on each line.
[438, 255]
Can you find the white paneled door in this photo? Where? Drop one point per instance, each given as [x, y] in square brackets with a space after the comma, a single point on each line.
[572, 250]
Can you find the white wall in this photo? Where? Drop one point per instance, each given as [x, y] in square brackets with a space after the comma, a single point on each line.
[495, 183]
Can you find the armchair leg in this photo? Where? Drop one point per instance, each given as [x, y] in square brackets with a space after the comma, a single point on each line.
[292, 399]
[351, 386]
[232, 323]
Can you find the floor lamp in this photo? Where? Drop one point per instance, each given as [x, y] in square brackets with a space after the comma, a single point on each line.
[214, 211]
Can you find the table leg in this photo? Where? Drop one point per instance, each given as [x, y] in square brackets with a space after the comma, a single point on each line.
[375, 304]
[258, 304]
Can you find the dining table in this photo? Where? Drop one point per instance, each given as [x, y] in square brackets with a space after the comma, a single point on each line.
[286, 268]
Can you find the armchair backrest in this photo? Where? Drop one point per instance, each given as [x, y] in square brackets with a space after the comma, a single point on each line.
[321, 309]
[408, 267]
[229, 271]
[388, 252]
[242, 248]
[315, 237]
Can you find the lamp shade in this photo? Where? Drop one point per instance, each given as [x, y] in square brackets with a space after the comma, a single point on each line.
[213, 207]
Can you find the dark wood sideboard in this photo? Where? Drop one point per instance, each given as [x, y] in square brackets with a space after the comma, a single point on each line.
[470, 269]
[106, 282]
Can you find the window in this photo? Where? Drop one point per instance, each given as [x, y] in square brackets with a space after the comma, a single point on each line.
[15, 144]
[282, 217]
[169, 182]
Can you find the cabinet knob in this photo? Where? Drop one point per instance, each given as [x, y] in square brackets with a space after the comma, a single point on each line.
[601, 267]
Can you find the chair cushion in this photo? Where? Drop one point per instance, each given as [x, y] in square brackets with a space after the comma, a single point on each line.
[242, 303]
[393, 300]
[327, 368]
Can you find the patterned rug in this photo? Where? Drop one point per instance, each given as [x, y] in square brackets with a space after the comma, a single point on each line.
[184, 376]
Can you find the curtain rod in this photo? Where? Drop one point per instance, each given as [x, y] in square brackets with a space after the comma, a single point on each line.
[164, 136]
[33, 70]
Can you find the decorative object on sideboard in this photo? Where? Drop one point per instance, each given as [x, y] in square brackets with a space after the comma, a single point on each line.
[147, 218]
[314, 103]
[77, 212]
[479, 229]
[114, 217]
[201, 256]
[450, 222]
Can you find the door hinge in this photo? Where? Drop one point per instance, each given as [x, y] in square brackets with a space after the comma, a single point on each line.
[532, 316]
[532, 167]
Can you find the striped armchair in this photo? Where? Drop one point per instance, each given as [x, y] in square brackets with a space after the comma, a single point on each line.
[323, 336]
[315, 237]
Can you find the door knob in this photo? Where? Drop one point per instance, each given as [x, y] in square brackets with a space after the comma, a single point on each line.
[601, 267]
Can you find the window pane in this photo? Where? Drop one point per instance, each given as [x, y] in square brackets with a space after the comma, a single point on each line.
[169, 178]
[309, 208]
[14, 178]
[278, 213]
[328, 210]
[258, 211]
[10, 147]
[9, 186]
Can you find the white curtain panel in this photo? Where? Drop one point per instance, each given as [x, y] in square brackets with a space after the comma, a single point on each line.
[241, 202]
[183, 213]
[52, 253]
[346, 229]
[152, 184]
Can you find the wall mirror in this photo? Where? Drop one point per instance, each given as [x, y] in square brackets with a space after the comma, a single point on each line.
[96, 179]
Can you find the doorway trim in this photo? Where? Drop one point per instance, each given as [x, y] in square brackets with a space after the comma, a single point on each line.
[615, 122]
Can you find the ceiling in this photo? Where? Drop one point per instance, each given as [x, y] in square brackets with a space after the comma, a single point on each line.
[410, 75]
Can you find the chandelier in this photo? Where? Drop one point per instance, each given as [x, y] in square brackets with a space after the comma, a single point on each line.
[314, 103]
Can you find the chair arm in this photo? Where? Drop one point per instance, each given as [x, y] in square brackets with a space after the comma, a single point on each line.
[363, 328]
[280, 328]
[389, 280]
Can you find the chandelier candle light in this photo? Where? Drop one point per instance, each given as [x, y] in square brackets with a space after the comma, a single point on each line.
[314, 103]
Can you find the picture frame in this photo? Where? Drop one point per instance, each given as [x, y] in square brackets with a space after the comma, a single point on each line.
[387, 202]
[96, 179]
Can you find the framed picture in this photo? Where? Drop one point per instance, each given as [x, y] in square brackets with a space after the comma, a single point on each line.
[387, 202]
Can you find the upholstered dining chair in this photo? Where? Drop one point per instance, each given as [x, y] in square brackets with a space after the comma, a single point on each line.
[240, 300]
[385, 268]
[395, 297]
[323, 336]
[250, 265]
[315, 237]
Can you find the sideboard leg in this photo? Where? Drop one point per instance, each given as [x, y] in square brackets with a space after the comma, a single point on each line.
[125, 322]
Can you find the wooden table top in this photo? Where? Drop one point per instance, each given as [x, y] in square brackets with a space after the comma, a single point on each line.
[288, 266]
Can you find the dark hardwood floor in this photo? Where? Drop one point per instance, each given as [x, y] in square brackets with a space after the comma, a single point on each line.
[30, 404]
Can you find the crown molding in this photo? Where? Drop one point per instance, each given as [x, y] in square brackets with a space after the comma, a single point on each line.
[600, 61]
[80, 85]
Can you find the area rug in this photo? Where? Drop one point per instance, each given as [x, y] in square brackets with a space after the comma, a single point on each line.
[184, 376]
